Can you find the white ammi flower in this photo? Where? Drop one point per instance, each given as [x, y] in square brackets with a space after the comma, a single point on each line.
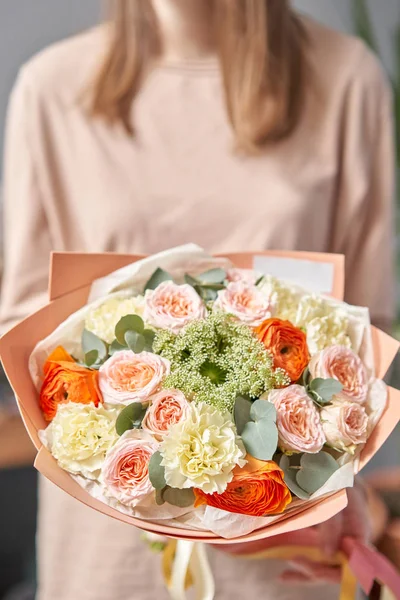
[202, 450]
[102, 320]
[80, 436]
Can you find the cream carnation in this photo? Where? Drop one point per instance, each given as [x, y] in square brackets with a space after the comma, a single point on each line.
[283, 298]
[202, 450]
[127, 377]
[246, 302]
[298, 420]
[103, 319]
[311, 307]
[345, 425]
[171, 306]
[125, 472]
[327, 331]
[167, 408]
[325, 325]
[343, 364]
[80, 436]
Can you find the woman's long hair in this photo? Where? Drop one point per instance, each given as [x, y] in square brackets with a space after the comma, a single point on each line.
[261, 49]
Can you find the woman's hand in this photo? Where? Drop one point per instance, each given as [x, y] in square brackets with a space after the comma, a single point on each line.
[353, 521]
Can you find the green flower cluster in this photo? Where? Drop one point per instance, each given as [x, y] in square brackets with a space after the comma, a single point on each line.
[216, 359]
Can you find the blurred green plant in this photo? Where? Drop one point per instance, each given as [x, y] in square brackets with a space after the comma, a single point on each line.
[364, 28]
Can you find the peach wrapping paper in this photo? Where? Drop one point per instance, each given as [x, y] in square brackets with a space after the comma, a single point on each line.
[75, 278]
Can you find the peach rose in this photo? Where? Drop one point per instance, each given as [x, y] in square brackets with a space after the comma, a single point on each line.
[246, 275]
[66, 381]
[125, 471]
[298, 420]
[127, 377]
[245, 302]
[345, 425]
[343, 364]
[167, 408]
[257, 489]
[287, 344]
[171, 306]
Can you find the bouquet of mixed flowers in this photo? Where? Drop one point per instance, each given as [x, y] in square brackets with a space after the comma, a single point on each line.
[198, 399]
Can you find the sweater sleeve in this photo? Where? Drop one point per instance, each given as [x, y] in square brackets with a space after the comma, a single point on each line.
[26, 236]
[364, 223]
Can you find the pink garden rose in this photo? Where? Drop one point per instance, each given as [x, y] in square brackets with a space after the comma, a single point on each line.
[345, 425]
[246, 275]
[171, 306]
[245, 302]
[167, 408]
[298, 420]
[127, 377]
[343, 364]
[125, 471]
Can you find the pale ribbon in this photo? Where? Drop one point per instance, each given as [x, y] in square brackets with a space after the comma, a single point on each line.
[185, 564]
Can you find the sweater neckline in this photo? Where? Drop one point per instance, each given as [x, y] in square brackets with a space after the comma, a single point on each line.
[205, 66]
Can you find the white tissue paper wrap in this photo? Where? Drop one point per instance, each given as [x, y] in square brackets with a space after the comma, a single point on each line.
[129, 281]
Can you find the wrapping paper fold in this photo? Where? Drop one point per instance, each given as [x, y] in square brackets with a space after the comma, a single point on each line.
[76, 277]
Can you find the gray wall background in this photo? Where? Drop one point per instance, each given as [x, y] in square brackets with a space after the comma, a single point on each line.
[26, 26]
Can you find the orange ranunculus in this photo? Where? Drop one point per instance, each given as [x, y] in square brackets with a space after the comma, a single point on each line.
[66, 381]
[287, 344]
[257, 489]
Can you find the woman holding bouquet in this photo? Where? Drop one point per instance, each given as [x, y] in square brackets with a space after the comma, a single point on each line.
[236, 124]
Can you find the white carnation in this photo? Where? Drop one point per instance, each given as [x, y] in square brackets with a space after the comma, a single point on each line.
[202, 450]
[102, 320]
[80, 436]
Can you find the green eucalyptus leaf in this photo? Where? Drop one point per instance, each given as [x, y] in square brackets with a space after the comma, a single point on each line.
[261, 438]
[181, 498]
[290, 473]
[317, 399]
[262, 409]
[191, 280]
[315, 471]
[158, 277]
[206, 294]
[305, 377]
[326, 388]
[116, 347]
[130, 418]
[160, 497]
[90, 342]
[128, 323]
[91, 358]
[260, 280]
[213, 287]
[242, 413]
[157, 472]
[149, 337]
[136, 341]
[213, 276]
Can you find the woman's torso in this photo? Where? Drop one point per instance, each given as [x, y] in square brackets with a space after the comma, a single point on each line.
[177, 180]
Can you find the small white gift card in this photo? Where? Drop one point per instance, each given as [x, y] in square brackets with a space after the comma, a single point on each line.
[317, 277]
